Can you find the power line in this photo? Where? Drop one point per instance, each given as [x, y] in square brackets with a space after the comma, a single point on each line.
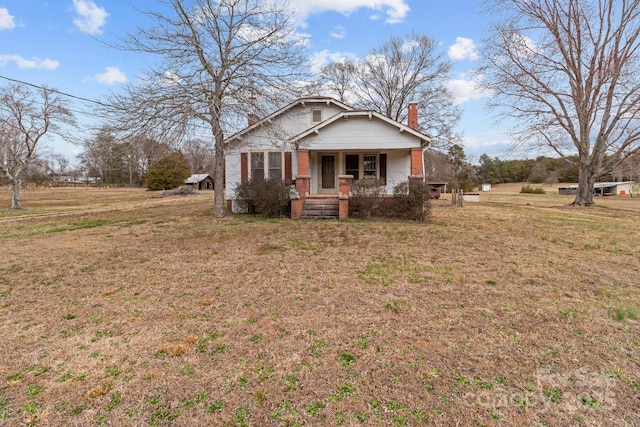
[53, 90]
[80, 98]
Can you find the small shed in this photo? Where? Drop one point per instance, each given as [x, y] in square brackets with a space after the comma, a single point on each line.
[441, 186]
[200, 181]
[602, 188]
[613, 188]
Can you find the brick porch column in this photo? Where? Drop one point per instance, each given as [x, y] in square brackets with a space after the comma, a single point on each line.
[416, 161]
[344, 194]
[303, 162]
[303, 184]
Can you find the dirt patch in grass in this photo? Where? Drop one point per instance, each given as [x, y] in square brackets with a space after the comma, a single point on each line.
[155, 313]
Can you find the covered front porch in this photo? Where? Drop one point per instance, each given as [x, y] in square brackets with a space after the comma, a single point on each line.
[325, 178]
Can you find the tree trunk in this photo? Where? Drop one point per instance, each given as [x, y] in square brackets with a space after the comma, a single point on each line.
[586, 180]
[218, 176]
[15, 195]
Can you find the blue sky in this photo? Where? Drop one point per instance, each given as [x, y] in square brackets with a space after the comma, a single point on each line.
[61, 44]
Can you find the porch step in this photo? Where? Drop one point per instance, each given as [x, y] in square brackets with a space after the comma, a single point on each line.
[320, 209]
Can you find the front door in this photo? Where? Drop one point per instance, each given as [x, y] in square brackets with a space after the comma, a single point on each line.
[328, 174]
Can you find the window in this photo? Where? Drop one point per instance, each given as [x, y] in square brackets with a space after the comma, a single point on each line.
[369, 166]
[352, 165]
[267, 165]
[275, 166]
[257, 166]
[316, 116]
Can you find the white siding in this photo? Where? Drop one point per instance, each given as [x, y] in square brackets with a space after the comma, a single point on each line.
[355, 135]
[398, 168]
[359, 133]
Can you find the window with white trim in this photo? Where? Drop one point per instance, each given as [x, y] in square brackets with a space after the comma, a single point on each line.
[369, 166]
[275, 166]
[352, 165]
[266, 165]
[366, 165]
[257, 166]
[316, 116]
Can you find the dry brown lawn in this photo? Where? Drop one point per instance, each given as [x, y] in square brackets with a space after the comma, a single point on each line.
[119, 308]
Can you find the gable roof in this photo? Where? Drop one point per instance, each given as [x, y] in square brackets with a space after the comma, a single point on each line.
[302, 101]
[196, 178]
[424, 139]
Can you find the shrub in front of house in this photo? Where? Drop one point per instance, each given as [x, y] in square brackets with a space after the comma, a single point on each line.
[366, 197]
[269, 199]
[412, 200]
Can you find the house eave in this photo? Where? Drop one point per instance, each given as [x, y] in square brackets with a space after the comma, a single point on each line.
[269, 119]
[425, 140]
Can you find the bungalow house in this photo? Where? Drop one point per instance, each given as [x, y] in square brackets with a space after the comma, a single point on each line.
[200, 181]
[324, 145]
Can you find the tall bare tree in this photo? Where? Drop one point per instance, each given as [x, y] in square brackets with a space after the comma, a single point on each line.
[389, 77]
[339, 77]
[26, 116]
[213, 57]
[568, 72]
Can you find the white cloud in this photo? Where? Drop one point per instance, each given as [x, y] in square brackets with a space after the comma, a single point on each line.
[111, 75]
[395, 10]
[523, 45]
[90, 17]
[319, 59]
[463, 48]
[6, 20]
[24, 64]
[466, 88]
[171, 78]
[339, 32]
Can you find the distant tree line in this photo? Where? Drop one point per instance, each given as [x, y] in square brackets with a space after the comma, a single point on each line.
[111, 162]
[128, 162]
[459, 172]
[124, 163]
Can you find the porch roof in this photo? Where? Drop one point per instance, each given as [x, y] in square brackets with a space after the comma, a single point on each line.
[425, 140]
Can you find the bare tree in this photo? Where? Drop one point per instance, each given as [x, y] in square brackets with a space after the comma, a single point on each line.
[26, 116]
[214, 56]
[339, 77]
[568, 72]
[402, 70]
[198, 155]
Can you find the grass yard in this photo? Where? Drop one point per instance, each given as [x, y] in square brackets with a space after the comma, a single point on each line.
[120, 308]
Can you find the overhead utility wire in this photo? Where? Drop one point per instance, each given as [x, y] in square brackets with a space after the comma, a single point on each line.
[72, 96]
[53, 90]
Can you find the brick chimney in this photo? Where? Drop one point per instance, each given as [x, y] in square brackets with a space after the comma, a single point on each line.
[252, 117]
[412, 122]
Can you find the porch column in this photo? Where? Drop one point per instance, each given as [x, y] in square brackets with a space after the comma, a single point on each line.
[303, 184]
[416, 161]
[344, 194]
[303, 162]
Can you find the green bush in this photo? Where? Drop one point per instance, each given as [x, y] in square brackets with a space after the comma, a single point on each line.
[168, 173]
[270, 199]
[530, 190]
